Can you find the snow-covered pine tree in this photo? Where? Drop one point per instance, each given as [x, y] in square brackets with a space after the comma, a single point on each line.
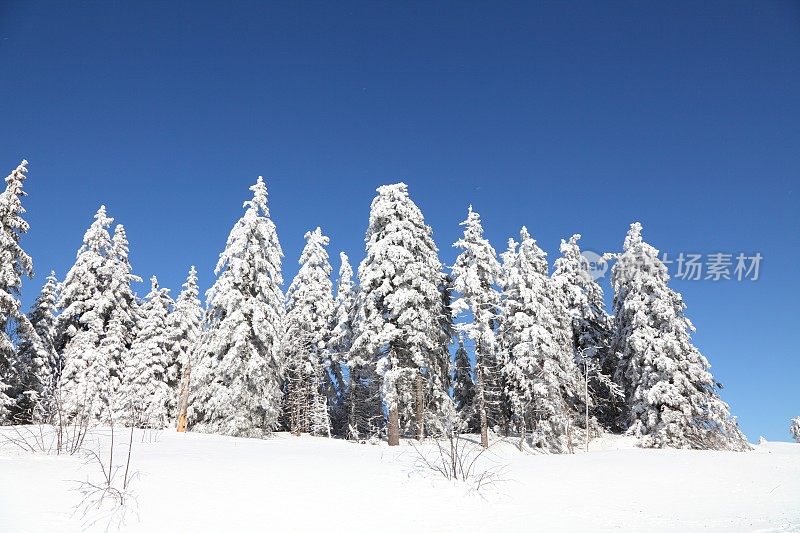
[542, 380]
[464, 388]
[401, 308]
[339, 344]
[441, 417]
[363, 412]
[475, 275]
[671, 395]
[145, 396]
[124, 317]
[185, 328]
[309, 310]
[80, 327]
[41, 363]
[794, 428]
[97, 320]
[582, 298]
[14, 264]
[238, 383]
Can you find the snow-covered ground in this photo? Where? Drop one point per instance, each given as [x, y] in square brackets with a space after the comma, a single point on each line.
[195, 482]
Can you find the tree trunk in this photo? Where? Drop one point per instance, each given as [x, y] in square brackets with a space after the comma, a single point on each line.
[481, 396]
[394, 427]
[419, 399]
[183, 399]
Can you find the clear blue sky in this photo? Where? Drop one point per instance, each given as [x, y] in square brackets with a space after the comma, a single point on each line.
[565, 117]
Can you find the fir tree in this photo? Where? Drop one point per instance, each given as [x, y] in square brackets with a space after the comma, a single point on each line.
[185, 328]
[145, 396]
[363, 412]
[671, 395]
[309, 308]
[97, 321]
[340, 343]
[37, 352]
[14, 264]
[464, 388]
[124, 318]
[542, 379]
[238, 388]
[794, 429]
[475, 275]
[582, 298]
[401, 307]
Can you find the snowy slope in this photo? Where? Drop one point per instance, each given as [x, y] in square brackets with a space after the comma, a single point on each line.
[194, 482]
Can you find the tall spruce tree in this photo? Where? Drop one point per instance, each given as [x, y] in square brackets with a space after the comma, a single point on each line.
[464, 388]
[475, 275]
[85, 384]
[145, 396]
[542, 379]
[582, 297]
[41, 363]
[238, 387]
[339, 345]
[185, 328]
[309, 309]
[125, 318]
[362, 411]
[401, 308]
[97, 321]
[14, 264]
[671, 396]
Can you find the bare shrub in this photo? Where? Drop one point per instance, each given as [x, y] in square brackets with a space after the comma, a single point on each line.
[457, 458]
[110, 497]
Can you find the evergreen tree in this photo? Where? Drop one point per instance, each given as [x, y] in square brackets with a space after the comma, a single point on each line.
[238, 388]
[37, 352]
[542, 380]
[97, 321]
[340, 343]
[14, 264]
[794, 429]
[475, 275]
[145, 396]
[464, 388]
[309, 309]
[124, 318]
[363, 412]
[185, 328]
[401, 308]
[671, 395]
[582, 297]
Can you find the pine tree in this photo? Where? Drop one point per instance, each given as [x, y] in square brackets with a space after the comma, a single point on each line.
[671, 395]
[124, 318]
[582, 298]
[185, 328]
[14, 264]
[542, 379]
[363, 412]
[144, 396]
[475, 275]
[794, 429]
[400, 308]
[238, 387]
[464, 388]
[38, 355]
[340, 343]
[309, 309]
[97, 321]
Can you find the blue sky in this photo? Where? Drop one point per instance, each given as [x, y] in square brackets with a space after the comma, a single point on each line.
[564, 117]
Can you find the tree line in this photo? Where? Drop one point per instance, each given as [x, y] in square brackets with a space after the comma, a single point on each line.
[536, 355]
